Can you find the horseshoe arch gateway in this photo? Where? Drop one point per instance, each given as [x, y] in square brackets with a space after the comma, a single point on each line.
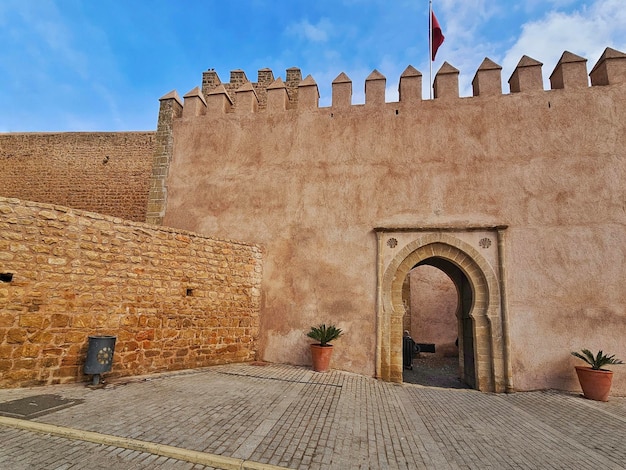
[474, 258]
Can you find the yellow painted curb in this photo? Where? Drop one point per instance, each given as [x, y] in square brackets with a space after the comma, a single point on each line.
[203, 458]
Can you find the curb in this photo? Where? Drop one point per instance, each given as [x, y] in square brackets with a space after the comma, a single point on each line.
[192, 456]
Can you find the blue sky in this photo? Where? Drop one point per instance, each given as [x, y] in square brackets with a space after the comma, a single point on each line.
[88, 65]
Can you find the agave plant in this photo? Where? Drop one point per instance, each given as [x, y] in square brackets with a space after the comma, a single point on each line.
[598, 361]
[324, 334]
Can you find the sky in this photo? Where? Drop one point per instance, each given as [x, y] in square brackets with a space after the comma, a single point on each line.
[89, 65]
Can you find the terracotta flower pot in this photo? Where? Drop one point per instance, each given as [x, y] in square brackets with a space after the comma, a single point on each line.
[321, 357]
[596, 384]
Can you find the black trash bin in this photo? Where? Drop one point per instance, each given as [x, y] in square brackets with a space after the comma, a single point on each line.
[99, 356]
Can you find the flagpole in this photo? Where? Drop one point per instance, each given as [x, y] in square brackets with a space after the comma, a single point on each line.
[430, 47]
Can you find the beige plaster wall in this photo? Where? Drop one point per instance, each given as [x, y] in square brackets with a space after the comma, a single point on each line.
[434, 300]
[310, 186]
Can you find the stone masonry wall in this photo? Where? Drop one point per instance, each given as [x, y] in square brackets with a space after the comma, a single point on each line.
[104, 172]
[174, 299]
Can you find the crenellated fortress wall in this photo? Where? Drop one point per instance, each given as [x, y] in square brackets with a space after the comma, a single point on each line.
[336, 193]
[271, 95]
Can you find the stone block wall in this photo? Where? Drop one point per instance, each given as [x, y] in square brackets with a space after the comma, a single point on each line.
[104, 172]
[174, 299]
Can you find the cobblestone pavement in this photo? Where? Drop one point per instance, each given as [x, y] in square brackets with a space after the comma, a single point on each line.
[292, 417]
[434, 370]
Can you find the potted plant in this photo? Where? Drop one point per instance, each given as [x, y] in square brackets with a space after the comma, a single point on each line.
[323, 350]
[595, 381]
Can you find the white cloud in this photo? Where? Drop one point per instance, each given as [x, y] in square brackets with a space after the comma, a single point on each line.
[464, 18]
[477, 29]
[46, 36]
[465, 24]
[585, 32]
[530, 5]
[319, 32]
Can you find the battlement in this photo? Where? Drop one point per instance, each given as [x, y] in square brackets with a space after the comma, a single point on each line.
[271, 95]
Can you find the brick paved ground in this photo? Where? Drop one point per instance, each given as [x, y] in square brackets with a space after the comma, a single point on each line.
[293, 417]
[23, 450]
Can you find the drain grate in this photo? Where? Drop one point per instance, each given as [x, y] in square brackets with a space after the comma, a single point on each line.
[33, 407]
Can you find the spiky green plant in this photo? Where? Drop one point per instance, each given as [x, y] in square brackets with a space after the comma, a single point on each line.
[598, 361]
[324, 334]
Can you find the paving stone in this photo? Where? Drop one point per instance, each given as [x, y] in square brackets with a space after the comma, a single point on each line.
[293, 417]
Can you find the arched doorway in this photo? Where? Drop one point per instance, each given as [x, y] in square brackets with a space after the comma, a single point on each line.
[483, 343]
[439, 299]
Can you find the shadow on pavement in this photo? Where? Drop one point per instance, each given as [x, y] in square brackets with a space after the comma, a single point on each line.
[434, 371]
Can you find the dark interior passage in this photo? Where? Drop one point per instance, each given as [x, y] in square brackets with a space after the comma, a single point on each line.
[438, 303]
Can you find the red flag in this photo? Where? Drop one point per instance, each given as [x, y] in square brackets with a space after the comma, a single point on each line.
[436, 35]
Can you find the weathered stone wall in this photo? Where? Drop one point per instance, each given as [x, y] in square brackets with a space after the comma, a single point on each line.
[174, 299]
[170, 109]
[106, 172]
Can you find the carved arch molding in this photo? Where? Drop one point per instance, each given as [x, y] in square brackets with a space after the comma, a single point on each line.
[476, 252]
